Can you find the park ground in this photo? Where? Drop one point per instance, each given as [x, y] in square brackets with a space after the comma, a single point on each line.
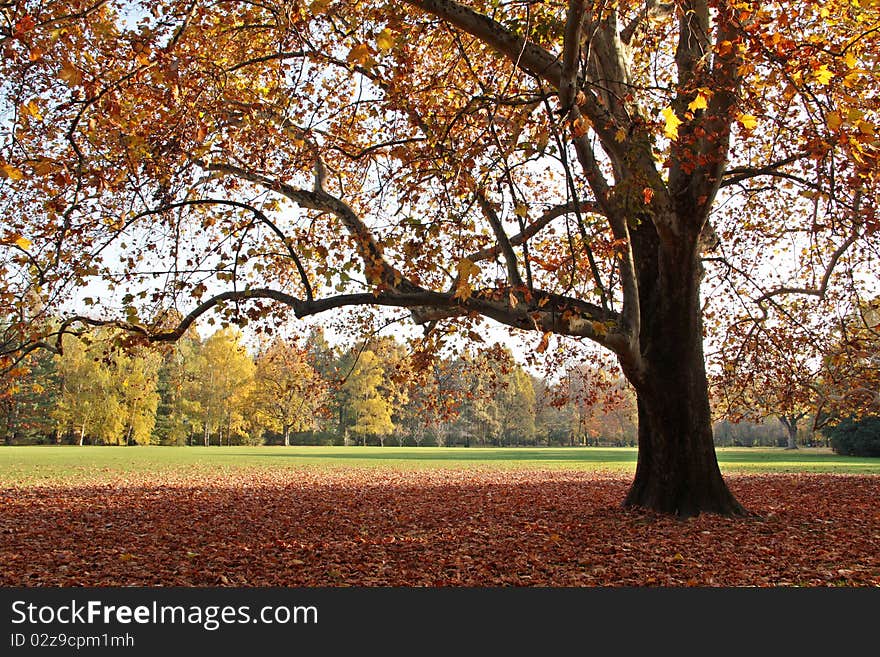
[361, 516]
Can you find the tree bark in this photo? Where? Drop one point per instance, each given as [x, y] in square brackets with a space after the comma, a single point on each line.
[677, 471]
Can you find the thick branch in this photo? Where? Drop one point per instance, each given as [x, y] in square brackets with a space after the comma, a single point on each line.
[692, 52]
[701, 152]
[529, 57]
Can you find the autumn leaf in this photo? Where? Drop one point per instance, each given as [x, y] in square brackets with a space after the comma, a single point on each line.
[360, 54]
[822, 75]
[385, 40]
[833, 120]
[544, 343]
[32, 110]
[24, 25]
[11, 172]
[70, 74]
[700, 102]
[466, 270]
[319, 6]
[748, 121]
[580, 126]
[672, 122]
[866, 128]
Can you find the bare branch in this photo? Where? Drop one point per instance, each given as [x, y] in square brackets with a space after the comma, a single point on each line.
[534, 228]
[258, 214]
[378, 271]
[829, 269]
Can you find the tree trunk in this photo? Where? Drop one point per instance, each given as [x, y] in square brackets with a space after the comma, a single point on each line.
[287, 436]
[791, 427]
[677, 471]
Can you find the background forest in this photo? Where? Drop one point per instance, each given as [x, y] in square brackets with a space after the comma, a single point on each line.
[215, 391]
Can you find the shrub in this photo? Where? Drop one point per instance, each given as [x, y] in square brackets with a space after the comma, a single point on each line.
[856, 437]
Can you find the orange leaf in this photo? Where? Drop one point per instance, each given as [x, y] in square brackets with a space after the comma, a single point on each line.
[545, 342]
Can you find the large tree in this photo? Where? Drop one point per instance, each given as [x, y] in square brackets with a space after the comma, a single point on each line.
[553, 166]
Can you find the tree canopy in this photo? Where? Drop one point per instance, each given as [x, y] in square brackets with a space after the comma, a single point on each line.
[577, 168]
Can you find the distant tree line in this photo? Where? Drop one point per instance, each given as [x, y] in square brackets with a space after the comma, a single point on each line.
[214, 391]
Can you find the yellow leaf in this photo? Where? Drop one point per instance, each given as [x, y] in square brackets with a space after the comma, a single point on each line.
[521, 211]
[700, 102]
[385, 41]
[672, 123]
[822, 75]
[748, 121]
[22, 242]
[32, 109]
[12, 238]
[466, 269]
[462, 291]
[11, 172]
[866, 128]
[833, 120]
[319, 6]
[620, 135]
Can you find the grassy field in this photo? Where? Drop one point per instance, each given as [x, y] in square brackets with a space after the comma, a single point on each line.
[68, 464]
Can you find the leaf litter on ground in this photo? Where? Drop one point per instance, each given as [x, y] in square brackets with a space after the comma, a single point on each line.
[463, 528]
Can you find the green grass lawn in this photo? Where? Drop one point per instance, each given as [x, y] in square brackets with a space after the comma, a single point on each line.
[69, 464]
